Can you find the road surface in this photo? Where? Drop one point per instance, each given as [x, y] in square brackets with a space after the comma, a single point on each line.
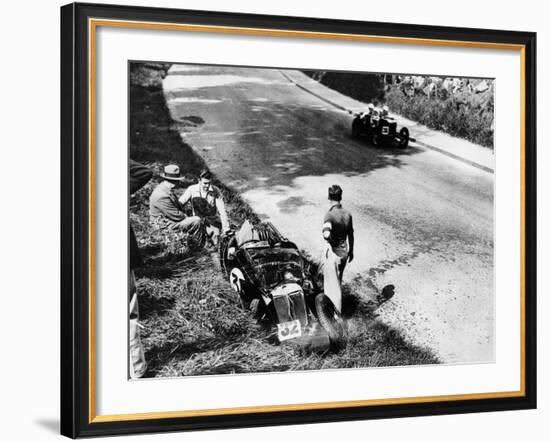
[423, 221]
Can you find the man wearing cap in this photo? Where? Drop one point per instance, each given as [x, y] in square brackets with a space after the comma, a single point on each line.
[166, 212]
[207, 203]
[338, 234]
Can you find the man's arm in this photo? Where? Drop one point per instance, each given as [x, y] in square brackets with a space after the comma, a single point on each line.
[169, 208]
[351, 239]
[184, 199]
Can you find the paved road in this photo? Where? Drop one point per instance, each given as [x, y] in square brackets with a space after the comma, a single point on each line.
[423, 221]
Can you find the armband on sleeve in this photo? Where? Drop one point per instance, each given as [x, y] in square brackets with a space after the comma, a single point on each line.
[327, 227]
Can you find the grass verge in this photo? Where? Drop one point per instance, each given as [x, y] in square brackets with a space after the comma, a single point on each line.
[193, 323]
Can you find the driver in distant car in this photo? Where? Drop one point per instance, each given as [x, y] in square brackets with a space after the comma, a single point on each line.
[374, 117]
[207, 203]
[338, 233]
[368, 114]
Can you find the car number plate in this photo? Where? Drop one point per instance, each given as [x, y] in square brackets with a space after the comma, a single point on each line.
[289, 330]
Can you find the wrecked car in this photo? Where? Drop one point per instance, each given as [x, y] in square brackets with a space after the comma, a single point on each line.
[273, 281]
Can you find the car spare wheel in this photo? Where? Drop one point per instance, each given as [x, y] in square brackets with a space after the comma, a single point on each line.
[330, 319]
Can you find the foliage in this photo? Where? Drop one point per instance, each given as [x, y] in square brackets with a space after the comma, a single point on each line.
[463, 116]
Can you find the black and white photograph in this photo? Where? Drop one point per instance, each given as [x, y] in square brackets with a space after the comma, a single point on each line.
[275, 221]
[285, 220]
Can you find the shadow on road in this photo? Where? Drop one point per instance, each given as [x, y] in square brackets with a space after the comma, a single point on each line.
[306, 143]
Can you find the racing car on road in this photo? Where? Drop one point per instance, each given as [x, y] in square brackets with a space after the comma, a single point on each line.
[380, 129]
[272, 280]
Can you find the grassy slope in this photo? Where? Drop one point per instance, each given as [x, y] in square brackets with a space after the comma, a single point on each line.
[193, 324]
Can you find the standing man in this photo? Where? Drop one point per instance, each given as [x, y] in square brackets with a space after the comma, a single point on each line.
[166, 212]
[338, 233]
[139, 176]
[207, 204]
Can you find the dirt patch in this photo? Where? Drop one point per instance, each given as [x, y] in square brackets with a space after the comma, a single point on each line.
[191, 120]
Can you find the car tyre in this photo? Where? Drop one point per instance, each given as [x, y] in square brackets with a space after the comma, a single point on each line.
[236, 280]
[223, 245]
[376, 139]
[256, 309]
[404, 138]
[355, 129]
[330, 320]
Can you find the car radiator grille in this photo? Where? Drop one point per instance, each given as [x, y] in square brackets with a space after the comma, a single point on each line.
[291, 307]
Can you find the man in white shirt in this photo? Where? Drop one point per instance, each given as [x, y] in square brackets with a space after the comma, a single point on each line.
[207, 203]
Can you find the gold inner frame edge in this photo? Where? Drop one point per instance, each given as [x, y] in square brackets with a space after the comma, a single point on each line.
[93, 23]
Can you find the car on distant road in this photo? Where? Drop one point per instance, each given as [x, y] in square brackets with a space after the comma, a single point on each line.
[273, 281]
[380, 129]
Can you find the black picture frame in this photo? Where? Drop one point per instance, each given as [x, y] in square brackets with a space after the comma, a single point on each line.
[75, 220]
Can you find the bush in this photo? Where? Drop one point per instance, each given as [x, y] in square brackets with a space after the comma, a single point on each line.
[463, 117]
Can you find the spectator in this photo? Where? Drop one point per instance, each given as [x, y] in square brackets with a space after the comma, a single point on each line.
[338, 233]
[166, 212]
[139, 176]
[207, 204]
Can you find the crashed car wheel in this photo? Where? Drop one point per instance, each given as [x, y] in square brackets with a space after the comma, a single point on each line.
[330, 320]
[376, 139]
[222, 250]
[355, 129]
[403, 138]
[256, 309]
[236, 280]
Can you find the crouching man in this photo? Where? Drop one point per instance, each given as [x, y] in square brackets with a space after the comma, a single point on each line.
[166, 212]
[207, 204]
[338, 233]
